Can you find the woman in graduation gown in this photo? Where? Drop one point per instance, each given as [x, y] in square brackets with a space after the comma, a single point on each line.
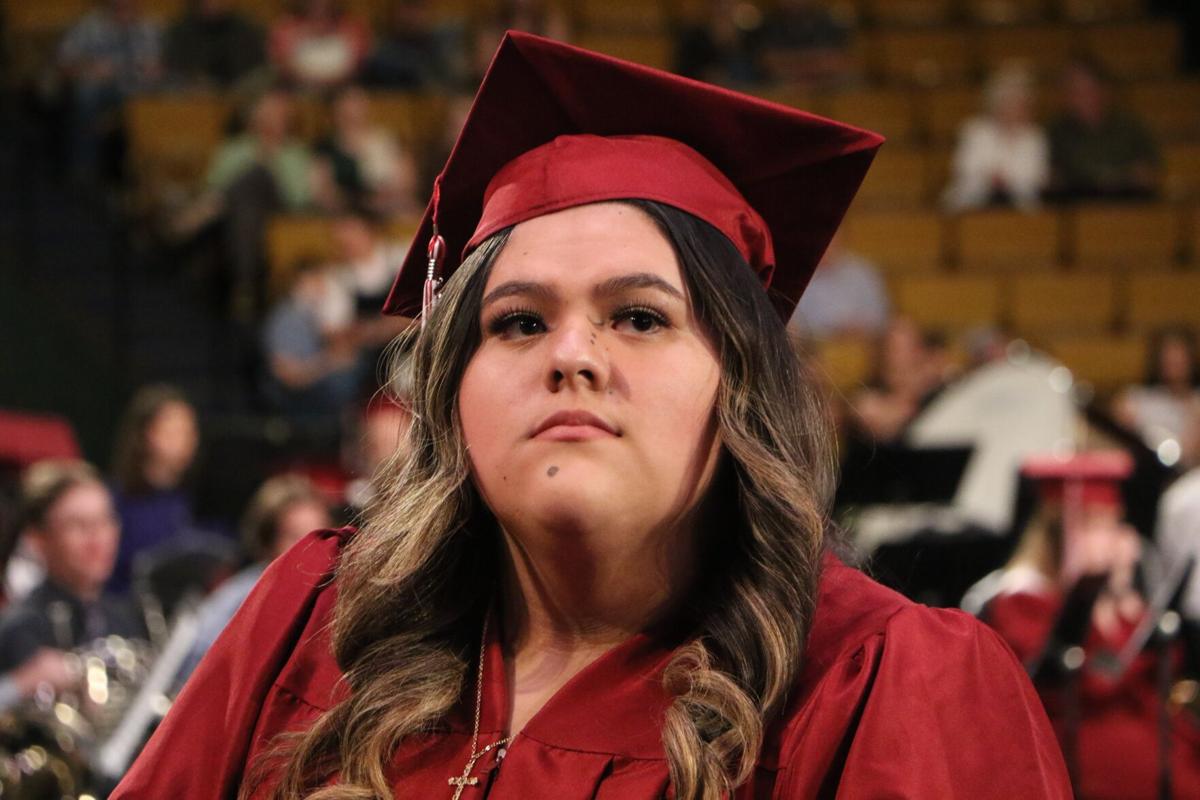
[602, 570]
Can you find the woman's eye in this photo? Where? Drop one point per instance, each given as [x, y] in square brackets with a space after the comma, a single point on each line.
[516, 324]
[641, 320]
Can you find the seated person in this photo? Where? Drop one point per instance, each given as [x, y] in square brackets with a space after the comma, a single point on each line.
[911, 368]
[312, 362]
[362, 163]
[1078, 530]
[720, 48]
[806, 44]
[1098, 150]
[317, 44]
[846, 296]
[68, 515]
[211, 45]
[366, 263]
[1165, 410]
[283, 510]
[411, 53]
[1002, 156]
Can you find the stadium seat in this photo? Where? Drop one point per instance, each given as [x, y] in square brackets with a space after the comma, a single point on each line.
[291, 239]
[948, 302]
[885, 13]
[415, 119]
[173, 137]
[1135, 49]
[651, 49]
[900, 242]
[944, 110]
[621, 16]
[1007, 240]
[1182, 163]
[1124, 236]
[1099, 10]
[923, 57]
[1005, 12]
[1170, 108]
[1046, 48]
[1057, 303]
[1159, 299]
[26, 17]
[845, 361]
[887, 111]
[897, 179]
[1108, 363]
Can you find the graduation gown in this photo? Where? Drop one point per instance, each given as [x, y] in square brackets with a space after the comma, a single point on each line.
[894, 700]
[1118, 724]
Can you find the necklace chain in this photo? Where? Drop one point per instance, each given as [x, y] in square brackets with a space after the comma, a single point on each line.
[463, 781]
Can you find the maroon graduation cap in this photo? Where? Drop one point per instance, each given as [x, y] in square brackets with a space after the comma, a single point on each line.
[555, 126]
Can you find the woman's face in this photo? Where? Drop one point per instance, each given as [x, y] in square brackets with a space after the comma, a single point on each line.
[1175, 361]
[171, 439]
[589, 405]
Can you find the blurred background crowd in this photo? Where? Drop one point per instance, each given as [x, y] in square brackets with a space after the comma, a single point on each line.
[203, 204]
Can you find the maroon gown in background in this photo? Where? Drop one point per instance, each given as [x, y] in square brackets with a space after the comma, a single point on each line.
[895, 700]
[1118, 730]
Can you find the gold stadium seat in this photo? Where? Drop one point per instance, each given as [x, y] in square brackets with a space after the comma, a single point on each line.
[1062, 303]
[1099, 10]
[1005, 12]
[898, 178]
[943, 111]
[887, 111]
[900, 242]
[1182, 162]
[1135, 49]
[948, 302]
[1007, 240]
[1171, 109]
[1045, 48]
[31, 17]
[291, 239]
[1158, 299]
[923, 57]
[415, 119]
[845, 361]
[262, 11]
[621, 16]
[1107, 362]
[651, 49]
[173, 137]
[1124, 236]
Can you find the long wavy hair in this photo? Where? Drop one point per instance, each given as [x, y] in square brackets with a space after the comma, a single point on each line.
[415, 582]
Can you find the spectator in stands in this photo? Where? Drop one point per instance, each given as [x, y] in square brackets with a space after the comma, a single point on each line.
[67, 513]
[361, 163]
[1003, 156]
[845, 297]
[283, 510]
[413, 54]
[723, 47]
[911, 368]
[1165, 410]
[542, 17]
[806, 43]
[211, 45]
[383, 432]
[1178, 535]
[255, 174]
[1098, 150]
[318, 45]
[112, 52]
[313, 364]
[155, 447]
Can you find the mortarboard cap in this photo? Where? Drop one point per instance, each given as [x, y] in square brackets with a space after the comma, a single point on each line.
[554, 126]
[1092, 477]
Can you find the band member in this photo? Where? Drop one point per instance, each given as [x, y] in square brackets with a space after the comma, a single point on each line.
[602, 568]
[1106, 712]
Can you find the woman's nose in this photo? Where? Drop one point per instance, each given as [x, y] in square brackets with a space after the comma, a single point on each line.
[578, 359]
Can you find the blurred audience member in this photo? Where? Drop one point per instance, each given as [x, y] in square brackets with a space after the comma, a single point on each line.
[911, 368]
[112, 52]
[1098, 150]
[313, 364]
[67, 514]
[383, 433]
[1109, 724]
[410, 53]
[543, 17]
[318, 45]
[283, 511]
[845, 296]
[362, 163]
[724, 47]
[366, 266]
[155, 447]
[211, 45]
[260, 172]
[1178, 534]
[805, 43]
[1165, 410]
[1003, 157]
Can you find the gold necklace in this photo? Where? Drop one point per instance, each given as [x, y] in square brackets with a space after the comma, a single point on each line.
[463, 781]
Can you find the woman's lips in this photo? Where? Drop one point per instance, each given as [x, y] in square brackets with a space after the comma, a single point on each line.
[573, 426]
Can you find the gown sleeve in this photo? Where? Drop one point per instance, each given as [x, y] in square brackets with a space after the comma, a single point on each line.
[944, 710]
[199, 751]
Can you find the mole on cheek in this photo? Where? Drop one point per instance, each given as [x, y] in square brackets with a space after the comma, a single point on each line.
[552, 472]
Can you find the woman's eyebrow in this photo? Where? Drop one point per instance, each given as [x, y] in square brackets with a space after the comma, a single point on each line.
[538, 291]
[635, 280]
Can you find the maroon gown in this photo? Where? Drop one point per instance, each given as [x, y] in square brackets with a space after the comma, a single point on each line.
[894, 700]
